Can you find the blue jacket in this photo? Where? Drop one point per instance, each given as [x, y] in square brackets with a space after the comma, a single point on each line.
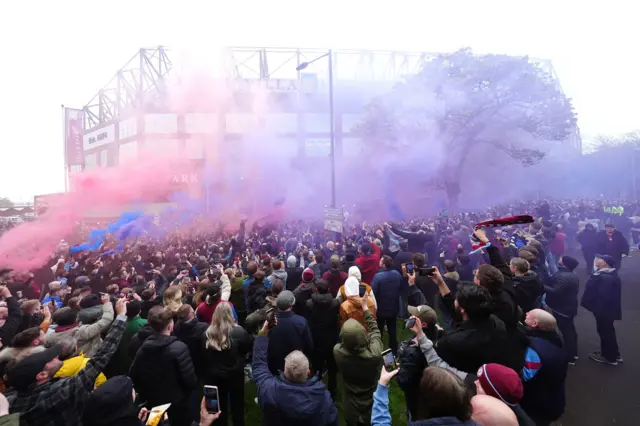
[292, 333]
[380, 414]
[544, 376]
[386, 286]
[55, 299]
[603, 294]
[290, 404]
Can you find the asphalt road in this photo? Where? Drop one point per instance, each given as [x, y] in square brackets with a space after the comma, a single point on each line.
[599, 394]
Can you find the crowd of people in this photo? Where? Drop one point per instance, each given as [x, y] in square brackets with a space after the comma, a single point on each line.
[101, 338]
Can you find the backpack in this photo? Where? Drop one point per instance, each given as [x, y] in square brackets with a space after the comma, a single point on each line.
[257, 297]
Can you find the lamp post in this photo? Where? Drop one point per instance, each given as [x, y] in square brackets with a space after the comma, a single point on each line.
[332, 154]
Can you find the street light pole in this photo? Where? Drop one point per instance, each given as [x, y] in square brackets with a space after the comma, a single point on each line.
[332, 133]
[332, 136]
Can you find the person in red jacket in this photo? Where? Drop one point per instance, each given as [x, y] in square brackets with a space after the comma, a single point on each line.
[369, 261]
[335, 277]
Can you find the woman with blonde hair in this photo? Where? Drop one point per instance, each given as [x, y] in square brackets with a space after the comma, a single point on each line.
[225, 347]
[172, 298]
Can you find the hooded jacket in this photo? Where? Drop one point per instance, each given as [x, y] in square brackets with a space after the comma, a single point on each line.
[353, 289]
[369, 263]
[162, 371]
[290, 404]
[351, 306]
[72, 366]
[88, 336]
[359, 358]
[112, 405]
[279, 274]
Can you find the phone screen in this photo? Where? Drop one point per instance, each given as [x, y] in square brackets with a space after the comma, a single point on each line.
[211, 399]
[389, 360]
[409, 268]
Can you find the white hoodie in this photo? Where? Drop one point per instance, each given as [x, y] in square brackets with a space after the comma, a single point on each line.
[352, 286]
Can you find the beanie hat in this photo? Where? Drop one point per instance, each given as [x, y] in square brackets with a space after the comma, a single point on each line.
[501, 382]
[308, 275]
[569, 262]
[291, 261]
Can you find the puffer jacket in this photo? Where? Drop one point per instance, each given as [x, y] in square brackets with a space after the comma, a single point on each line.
[359, 358]
[88, 336]
[162, 371]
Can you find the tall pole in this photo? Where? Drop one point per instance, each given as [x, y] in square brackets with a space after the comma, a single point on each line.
[332, 133]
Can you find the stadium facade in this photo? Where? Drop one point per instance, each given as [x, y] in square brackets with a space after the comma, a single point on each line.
[134, 111]
[131, 112]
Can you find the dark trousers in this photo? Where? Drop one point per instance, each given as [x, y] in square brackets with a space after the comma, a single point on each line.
[391, 327]
[231, 396]
[608, 341]
[179, 413]
[589, 256]
[323, 357]
[569, 334]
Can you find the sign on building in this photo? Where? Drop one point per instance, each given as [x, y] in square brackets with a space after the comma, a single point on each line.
[333, 220]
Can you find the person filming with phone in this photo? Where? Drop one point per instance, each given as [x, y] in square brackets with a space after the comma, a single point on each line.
[358, 357]
[293, 398]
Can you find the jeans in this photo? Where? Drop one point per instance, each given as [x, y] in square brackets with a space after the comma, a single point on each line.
[608, 341]
[391, 327]
[552, 263]
[569, 334]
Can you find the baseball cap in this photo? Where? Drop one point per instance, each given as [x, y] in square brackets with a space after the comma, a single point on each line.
[24, 373]
[285, 300]
[610, 260]
[501, 382]
[426, 314]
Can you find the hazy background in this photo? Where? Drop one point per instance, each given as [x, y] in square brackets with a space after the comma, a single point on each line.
[62, 52]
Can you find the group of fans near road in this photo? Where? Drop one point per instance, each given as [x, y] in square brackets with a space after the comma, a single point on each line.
[92, 339]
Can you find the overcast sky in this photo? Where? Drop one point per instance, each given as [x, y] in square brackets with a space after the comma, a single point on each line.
[62, 52]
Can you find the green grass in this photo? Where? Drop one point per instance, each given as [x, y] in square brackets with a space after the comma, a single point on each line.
[397, 405]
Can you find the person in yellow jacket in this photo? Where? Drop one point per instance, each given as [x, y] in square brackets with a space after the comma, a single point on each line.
[74, 361]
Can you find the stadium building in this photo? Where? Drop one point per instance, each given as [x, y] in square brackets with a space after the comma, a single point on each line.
[132, 112]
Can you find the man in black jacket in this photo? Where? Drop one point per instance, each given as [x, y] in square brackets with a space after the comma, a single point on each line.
[162, 371]
[562, 298]
[323, 311]
[612, 243]
[527, 287]
[481, 337]
[190, 331]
